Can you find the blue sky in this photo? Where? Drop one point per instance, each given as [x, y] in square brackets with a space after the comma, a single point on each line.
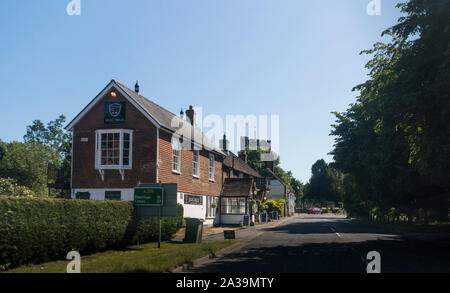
[292, 58]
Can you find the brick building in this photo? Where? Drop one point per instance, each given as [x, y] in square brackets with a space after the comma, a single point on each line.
[121, 138]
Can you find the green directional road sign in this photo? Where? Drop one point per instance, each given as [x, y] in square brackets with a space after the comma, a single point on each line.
[149, 196]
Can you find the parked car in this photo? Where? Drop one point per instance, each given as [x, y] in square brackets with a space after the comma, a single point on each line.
[314, 211]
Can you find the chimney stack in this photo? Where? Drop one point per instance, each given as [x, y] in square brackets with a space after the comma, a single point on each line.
[224, 143]
[269, 165]
[244, 156]
[181, 113]
[190, 114]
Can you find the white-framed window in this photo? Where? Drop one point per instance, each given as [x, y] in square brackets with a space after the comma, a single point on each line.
[176, 155]
[211, 206]
[211, 167]
[231, 174]
[233, 206]
[196, 163]
[114, 149]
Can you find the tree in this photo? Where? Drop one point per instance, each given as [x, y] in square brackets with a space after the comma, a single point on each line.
[8, 186]
[297, 189]
[324, 184]
[26, 163]
[254, 161]
[393, 144]
[52, 135]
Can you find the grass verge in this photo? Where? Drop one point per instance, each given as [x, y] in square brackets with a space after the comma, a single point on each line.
[146, 258]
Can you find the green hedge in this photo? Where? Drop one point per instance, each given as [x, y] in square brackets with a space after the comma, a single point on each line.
[35, 230]
[180, 215]
[147, 228]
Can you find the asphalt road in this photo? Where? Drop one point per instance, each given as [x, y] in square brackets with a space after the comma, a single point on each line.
[329, 244]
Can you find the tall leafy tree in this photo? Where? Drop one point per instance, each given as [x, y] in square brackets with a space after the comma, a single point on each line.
[26, 163]
[52, 135]
[393, 144]
[324, 185]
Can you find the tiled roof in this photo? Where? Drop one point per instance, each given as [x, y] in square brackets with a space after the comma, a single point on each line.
[163, 118]
[166, 119]
[270, 173]
[237, 187]
[234, 162]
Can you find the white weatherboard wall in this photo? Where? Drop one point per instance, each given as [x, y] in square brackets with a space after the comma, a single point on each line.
[194, 211]
[232, 219]
[276, 191]
[189, 210]
[99, 193]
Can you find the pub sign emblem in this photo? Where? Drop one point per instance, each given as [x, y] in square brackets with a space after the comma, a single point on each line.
[114, 112]
[114, 109]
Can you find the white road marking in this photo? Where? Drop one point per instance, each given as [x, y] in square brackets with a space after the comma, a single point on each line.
[339, 235]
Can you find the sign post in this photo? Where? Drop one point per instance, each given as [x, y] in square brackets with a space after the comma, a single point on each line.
[159, 227]
[156, 200]
[152, 197]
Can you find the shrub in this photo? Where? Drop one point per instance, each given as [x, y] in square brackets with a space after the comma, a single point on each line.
[147, 228]
[180, 213]
[9, 186]
[274, 206]
[35, 230]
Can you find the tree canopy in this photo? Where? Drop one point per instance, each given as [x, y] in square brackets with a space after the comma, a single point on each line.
[26, 163]
[393, 143]
[254, 160]
[324, 185]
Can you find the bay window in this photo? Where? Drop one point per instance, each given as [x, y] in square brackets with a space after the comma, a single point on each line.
[233, 205]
